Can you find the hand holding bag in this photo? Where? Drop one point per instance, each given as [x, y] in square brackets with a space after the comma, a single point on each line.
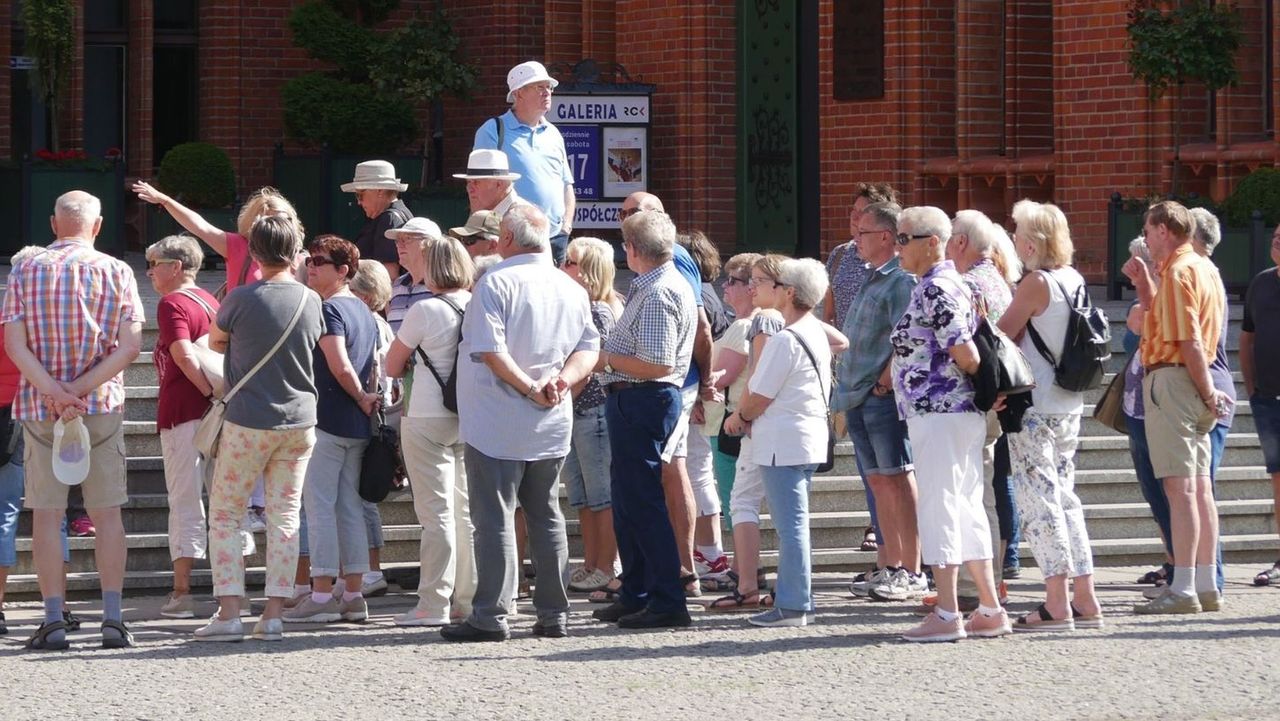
[210, 428]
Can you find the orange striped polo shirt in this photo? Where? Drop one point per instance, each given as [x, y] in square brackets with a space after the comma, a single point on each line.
[1189, 305]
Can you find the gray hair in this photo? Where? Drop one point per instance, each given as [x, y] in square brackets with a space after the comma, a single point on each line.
[182, 248]
[529, 226]
[372, 284]
[651, 234]
[78, 207]
[27, 252]
[975, 225]
[1208, 229]
[884, 214]
[275, 241]
[926, 220]
[807, 277]
[483, 263]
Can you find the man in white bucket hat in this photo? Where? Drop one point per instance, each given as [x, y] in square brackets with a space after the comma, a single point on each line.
[377, 192]
[535, 149]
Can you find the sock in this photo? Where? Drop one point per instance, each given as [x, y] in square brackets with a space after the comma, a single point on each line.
[301, 589]
[53, 612]
[318, 597]
[348, 596]
[371, 576]
[946, 615]
[1206, 578]
[989, 612]
[1184, 581]
[111, 605]
[712, 553]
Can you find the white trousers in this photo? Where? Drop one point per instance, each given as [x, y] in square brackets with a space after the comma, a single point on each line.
[950, 514]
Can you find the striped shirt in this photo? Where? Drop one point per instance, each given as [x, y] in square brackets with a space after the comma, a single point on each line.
[657, 325]
[1189, 305]
[73, 302]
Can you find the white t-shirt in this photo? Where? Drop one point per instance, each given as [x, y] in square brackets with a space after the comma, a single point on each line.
[432, 325]
[792, 431]
[733, 339]
[1048, 397]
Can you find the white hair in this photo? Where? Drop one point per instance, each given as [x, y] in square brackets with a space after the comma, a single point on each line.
[529, 226]
[807, 277]
[977, 227]
[651, 234]
[27, 252]
[78, 207]
[1005, 255]
[1208, 230]
[926, 220]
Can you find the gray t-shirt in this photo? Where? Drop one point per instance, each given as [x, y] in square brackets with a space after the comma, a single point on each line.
[283, 393]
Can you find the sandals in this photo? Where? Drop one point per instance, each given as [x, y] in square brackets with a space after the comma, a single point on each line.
[1092, 623]
[729, 581]
[1155, 577]
[608, 594]
[1047, 623]
[869, 539]
[692, 587]
[40, 640]
[736, 602]
[1269, 576]
[124, 640]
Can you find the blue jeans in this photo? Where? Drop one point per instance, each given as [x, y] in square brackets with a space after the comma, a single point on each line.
[559, 244]
[586, 468]
[11, 480]
[1006, 508]
[1266, 415]
[787, 488]
[1153, 488]
[640, 419]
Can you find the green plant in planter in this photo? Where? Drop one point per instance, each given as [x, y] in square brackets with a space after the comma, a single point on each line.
[1259, 191]
[199, 175]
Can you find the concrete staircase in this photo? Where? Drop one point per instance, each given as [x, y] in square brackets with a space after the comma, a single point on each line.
[1120, 525]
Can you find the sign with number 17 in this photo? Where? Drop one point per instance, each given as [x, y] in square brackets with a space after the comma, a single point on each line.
[582, 145]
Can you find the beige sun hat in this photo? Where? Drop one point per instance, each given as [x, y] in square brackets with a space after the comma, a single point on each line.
[374, 175]
[487, 165]
[525, 73]
[481, 222]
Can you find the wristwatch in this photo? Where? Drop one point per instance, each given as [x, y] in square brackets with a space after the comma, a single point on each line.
[608, 367]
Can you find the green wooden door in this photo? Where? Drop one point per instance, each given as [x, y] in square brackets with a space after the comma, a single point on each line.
[768, 196]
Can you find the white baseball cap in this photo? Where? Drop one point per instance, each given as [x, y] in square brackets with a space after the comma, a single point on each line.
[71, 451]
[525, 73]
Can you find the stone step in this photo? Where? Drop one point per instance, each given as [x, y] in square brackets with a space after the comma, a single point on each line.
[1241, 423]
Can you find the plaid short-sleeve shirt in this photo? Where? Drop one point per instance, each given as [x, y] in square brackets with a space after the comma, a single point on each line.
[73, 302]
[657, 325]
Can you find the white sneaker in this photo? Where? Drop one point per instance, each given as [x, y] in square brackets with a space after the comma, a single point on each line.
[373, 584]
[178, 607]
[248, 546]
[254, 521]
[221, 630]
[268, 629]
[418, 617]
[893, 587]
[862, 588]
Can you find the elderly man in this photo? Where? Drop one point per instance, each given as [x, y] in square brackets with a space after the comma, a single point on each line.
[377, 191]
[697, 384]
[865, 393]
[644, 362]
[536, 150]
[490, 182]
[1260, 365]
[527, 339]
[72, 324]
[1181, 329]
[480, 234]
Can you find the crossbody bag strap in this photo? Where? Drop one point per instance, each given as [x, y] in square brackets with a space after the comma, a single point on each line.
[501, 130]
[208, 309]
[814, 360]
[297, 313]
[423, 354]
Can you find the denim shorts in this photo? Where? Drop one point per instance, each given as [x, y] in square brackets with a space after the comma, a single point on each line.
[586, 468]
[11, 482]
[879, 437]
[1266, 416]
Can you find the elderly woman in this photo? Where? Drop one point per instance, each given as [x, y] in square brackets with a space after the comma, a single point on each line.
[1043, 453]
[377, 191]
[785, 412]
[184, 314]
[433, 452]
[933, 356]
[589, 261]
[346, 378]
[729, 354]
[269, 427]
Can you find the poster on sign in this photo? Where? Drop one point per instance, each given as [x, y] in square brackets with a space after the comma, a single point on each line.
[625, 161]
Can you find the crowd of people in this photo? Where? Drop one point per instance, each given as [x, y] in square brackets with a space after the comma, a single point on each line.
[510, 363]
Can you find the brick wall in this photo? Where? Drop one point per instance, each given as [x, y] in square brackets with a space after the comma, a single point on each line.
[139, 133]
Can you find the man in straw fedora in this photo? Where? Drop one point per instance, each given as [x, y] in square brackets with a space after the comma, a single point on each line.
[377, 192]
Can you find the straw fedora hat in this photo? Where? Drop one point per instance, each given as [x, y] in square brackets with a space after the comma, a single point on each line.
[374, 175]
[487, 165]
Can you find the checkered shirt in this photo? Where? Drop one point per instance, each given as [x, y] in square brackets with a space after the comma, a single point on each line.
[657, 325]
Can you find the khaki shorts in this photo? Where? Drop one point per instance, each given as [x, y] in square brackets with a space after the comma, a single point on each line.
[1178, 424]
[105, 486]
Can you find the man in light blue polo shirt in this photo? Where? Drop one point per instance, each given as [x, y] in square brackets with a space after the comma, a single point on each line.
[535, 150]
[526, 340]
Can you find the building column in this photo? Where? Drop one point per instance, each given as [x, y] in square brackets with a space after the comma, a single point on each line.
[140, 114]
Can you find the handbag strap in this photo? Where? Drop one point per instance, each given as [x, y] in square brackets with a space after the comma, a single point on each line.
[423, 354]
[814, 360]
[297, 313]
[208, 309]
[1031, 328]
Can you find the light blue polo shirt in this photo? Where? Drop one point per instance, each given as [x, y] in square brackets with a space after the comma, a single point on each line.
[538, 155]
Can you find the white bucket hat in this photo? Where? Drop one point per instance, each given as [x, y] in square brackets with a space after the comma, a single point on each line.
[416, 226]
[71, 451]
[487, 165]
[521, 75]
[374, 175]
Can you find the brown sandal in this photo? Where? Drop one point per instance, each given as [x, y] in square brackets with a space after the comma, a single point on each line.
[736, 602]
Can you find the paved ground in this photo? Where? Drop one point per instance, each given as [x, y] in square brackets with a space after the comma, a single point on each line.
[1220, 665]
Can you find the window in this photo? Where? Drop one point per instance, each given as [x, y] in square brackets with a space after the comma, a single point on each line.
[175, 76]
[106, 40]
[858, 50]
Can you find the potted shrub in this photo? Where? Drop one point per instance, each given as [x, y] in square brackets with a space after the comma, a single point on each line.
[201, 177]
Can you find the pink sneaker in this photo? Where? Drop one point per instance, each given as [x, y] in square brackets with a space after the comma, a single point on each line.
[81, 527]
[980, 625]
[934, 630]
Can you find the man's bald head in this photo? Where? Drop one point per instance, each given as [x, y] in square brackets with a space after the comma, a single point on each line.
[77, 214]
[640, 201]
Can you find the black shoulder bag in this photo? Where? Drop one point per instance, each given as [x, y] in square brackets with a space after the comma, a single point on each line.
[448, 388]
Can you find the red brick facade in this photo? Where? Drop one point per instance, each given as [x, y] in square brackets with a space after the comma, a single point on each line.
[983, 105]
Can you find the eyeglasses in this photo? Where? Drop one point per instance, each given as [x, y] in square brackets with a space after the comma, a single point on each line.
[870, 232]
[757, 282]
[410, 239]
[315, 261]
[162, 261]
[628, 212]
[735, 280]
[903, 238]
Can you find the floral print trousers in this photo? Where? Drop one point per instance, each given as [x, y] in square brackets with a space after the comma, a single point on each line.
[280, 457]
[1042, 457]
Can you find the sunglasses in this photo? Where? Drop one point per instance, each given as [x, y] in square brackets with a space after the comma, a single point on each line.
[316, 261]
[904, 239]
[735, 280]
[153, 263]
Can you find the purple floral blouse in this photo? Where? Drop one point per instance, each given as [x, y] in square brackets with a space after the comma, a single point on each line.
[939, 316]
[985, 281]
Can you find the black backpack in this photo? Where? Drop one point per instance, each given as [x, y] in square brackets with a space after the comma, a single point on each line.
[1086, 347]
[448, 388]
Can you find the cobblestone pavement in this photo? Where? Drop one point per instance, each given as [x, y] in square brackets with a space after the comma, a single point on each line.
[849, 665]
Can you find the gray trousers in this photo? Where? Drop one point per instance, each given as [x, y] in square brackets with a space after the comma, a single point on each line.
[496, 487]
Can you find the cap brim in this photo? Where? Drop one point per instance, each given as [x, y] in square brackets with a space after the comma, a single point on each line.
[353, 187]
[508, 176]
